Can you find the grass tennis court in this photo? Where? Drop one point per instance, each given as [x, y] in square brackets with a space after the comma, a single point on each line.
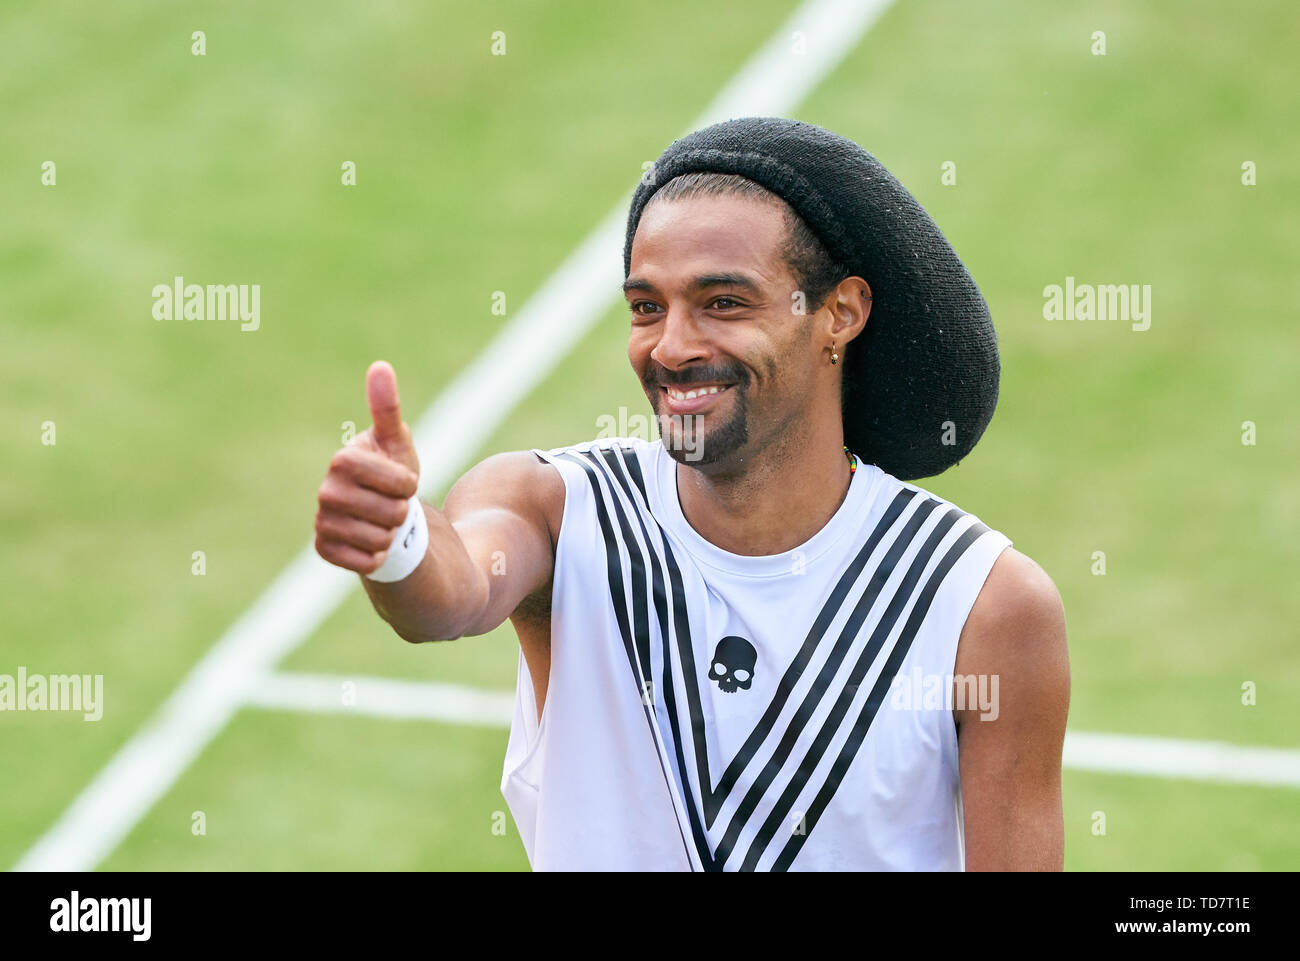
[478, 173]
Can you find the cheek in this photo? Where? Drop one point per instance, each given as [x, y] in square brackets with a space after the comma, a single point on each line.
[768, 359]
[779, 374]
[639, 344]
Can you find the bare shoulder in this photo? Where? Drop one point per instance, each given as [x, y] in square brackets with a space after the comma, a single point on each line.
[1016, 627]
[1017, 593]
[516, 481]
[1010, 746]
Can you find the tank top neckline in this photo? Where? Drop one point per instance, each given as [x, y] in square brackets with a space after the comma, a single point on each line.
[848, 517]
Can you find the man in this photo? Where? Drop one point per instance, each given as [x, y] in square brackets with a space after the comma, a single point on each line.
[724, 635]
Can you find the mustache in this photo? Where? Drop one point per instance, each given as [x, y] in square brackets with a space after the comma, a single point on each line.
[688, 377]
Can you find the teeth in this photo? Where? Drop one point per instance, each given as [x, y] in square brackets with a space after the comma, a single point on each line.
[691, 394]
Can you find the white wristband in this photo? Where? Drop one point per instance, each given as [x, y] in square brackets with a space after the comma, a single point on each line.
[410, 544]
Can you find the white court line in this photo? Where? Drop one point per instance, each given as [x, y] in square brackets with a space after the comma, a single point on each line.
[383, 697]
[774, 81]
[1163, 757]
[1176, 758]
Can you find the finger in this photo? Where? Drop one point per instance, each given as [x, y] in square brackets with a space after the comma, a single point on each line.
[348, 557]
[385, 407]
[341, 497]
[364, 439]
[363, 535]
[375, 471]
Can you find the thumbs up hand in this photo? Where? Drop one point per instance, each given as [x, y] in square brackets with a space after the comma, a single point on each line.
[366, 493]
[389, 434]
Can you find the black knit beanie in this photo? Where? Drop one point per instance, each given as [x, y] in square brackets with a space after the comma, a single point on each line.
[921, 381]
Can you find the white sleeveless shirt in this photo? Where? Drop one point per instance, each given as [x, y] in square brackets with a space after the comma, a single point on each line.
[712, 711]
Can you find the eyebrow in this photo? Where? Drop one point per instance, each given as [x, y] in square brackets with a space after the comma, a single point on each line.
[703, 282]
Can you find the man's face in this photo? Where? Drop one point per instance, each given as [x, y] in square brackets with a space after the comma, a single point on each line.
[713, 311]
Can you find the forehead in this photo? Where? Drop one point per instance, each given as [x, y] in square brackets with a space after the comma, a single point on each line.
[691, 236]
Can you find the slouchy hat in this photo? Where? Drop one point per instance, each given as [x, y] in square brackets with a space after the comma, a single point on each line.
[921, 381]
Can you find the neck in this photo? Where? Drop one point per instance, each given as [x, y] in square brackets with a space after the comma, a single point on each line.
[771, 502]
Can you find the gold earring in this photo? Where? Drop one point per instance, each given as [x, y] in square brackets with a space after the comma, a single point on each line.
[835, 358]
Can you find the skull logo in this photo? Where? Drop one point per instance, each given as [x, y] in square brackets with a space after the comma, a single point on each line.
[733, 664]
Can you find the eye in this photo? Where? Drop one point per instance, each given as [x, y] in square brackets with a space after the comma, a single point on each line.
[725, 303]
[637, 305]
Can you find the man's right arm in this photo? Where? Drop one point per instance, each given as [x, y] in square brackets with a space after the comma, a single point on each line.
[490, 546]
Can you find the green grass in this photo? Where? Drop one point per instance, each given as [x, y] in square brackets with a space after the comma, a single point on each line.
[342, 793]
[479, 173]
[1151, 823]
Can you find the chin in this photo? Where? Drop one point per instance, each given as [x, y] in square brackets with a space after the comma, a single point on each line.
[702, 446]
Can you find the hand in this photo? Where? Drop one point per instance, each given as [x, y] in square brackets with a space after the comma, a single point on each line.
[366, 492]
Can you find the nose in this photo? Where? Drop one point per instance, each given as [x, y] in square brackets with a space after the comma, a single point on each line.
[680, 341]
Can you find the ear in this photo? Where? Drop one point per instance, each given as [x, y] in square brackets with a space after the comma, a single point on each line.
[849, 305]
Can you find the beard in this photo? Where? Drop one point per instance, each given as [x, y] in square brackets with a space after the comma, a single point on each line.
[685, 436]
[689, 442]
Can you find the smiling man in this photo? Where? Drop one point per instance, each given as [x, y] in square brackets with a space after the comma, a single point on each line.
[719, 631]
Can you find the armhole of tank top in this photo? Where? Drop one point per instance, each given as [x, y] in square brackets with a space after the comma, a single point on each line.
[525, 690]
[526, 704]
[990, 545]
[987, 548]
